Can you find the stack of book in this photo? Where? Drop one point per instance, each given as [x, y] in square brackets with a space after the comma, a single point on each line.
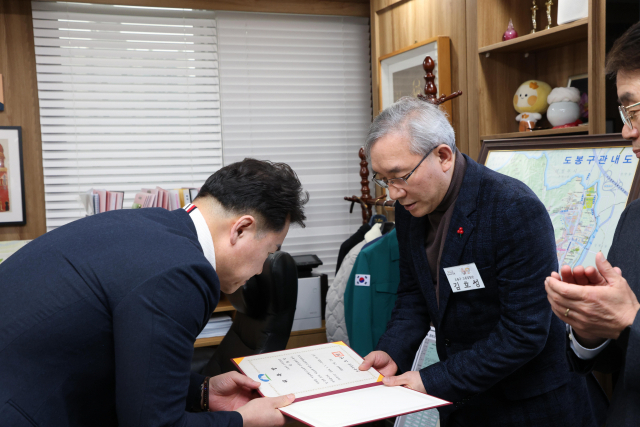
[98, 201]
[160, 198]
[218, 325]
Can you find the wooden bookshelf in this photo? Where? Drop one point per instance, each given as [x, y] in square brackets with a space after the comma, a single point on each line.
[543, 39]
[543, 132]
[552, 56]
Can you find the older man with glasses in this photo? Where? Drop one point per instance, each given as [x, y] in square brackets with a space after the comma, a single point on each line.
[603, 325]
[475, 248]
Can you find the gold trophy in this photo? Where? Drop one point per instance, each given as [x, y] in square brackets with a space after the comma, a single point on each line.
[534, 9]
[548, 4]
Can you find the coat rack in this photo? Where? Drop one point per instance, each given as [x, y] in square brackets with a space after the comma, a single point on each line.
[365, 200]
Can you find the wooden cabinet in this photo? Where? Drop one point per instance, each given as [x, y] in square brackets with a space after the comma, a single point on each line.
[549, 55]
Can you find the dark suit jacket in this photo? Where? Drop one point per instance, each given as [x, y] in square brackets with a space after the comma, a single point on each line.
[619, 356]
[98, 320]
[501, 350]
[348, 244]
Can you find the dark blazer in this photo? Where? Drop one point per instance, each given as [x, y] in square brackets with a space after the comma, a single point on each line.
[98, 320]
[501, 350]
[620, 356]
[348, 244]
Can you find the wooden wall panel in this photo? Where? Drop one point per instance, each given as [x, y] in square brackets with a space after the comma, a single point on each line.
[398, 24]
[18, 68]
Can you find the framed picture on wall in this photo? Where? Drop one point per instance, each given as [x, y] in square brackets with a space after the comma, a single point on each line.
[12, 204]
[401, 73]
[585, 182]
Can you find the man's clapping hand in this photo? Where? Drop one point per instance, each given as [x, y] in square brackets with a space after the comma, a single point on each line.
[601, 304]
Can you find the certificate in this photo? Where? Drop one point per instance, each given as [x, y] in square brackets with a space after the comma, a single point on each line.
[330, 390]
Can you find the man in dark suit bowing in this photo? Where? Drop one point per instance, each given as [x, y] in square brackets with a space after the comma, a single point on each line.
[475, 247]
[98, 318]
[604, 333]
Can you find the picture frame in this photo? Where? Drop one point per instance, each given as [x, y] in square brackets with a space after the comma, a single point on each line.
[1, 95]
[400, 73]
[581, 82]
[584, 181]
[12, 202]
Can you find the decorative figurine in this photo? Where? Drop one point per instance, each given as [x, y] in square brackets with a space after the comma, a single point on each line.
[549, 3]
[510, 33]
[531, 101]
[534, 23]
[564, 108]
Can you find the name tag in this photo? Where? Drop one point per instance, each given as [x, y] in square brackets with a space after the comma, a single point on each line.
[464, 277]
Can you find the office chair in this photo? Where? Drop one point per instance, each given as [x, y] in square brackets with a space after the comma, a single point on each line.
[265, 308]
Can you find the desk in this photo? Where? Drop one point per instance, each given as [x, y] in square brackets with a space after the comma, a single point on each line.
[296, 339]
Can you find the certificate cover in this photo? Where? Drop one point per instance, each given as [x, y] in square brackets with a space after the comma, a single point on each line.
[330, 390]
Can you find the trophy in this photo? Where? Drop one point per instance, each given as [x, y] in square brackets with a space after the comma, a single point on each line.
[548, 4]
[534, 8]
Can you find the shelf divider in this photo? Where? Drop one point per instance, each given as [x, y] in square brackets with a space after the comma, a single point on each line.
[544, 132]
[557, 36]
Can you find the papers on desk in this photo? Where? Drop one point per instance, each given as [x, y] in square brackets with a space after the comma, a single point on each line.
[8, 248]
[330, 390]
[218, 326]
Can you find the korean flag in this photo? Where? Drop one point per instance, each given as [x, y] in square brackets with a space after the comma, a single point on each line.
[363, 280]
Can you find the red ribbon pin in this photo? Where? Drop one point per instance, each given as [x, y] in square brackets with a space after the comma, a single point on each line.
[460, 231]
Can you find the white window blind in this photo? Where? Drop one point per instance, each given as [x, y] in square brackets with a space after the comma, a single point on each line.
[297, 89]
[128, 99]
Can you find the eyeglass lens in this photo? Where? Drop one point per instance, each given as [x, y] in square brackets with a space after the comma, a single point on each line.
[626, 117]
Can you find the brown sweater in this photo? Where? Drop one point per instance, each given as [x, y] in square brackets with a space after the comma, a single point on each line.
[439, 221]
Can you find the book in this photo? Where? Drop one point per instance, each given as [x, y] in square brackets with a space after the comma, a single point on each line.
[184, 197]
[119, 199]
[111, 201]
[174, 199]
[193, 193]
[156, 192]
[330, 390]
[96, 203]
[165, 198]
[102, 200]
[139, 200]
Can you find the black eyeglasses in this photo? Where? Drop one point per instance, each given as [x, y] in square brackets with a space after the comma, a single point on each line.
[397, 182]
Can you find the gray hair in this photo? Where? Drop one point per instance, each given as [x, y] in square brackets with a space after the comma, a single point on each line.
[423, 122]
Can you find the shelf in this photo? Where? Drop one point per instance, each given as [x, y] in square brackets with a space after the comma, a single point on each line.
[555, 37]
[544, 132]
[224, 305]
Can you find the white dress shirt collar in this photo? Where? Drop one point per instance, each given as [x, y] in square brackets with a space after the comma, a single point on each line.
[204, 235]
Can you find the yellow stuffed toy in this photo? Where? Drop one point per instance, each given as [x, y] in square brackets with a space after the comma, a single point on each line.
[530, 101]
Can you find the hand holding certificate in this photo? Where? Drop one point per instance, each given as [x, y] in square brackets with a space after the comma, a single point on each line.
[330, 390]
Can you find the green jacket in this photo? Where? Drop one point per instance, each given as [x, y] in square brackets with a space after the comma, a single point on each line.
[371, 292]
